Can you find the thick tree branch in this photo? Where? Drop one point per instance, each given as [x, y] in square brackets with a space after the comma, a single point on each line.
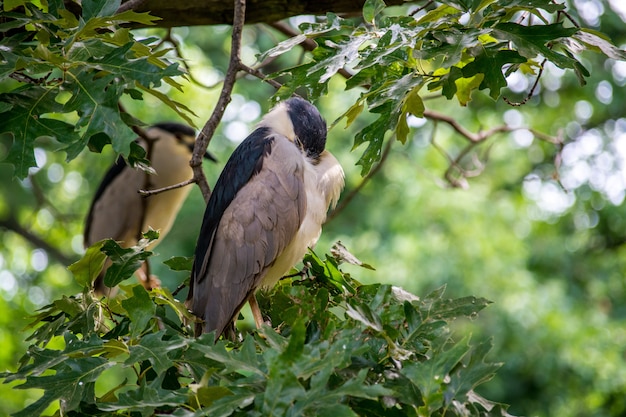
[130, 5]
[215, 12]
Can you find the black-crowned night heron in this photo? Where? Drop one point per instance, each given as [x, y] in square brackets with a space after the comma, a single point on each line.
[267, 208]
[119, 212]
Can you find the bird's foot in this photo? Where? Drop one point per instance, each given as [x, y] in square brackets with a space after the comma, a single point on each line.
[151, 282]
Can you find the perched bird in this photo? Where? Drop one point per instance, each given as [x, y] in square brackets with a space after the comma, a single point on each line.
[266, 209]
[119, 212]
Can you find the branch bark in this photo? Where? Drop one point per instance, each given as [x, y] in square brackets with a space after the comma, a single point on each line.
[215, 12]
[207, 132]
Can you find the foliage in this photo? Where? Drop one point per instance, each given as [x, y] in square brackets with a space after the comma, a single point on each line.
[80, 66]
[541, 232]
[340, 348]
[455, 49]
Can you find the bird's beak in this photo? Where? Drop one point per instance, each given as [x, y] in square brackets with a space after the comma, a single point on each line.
[209, 156]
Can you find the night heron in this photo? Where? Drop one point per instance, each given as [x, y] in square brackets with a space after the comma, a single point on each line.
[119, 212]
[267, 208]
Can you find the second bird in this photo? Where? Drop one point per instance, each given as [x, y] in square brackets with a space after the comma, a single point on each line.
[267, 208]
[119, 212]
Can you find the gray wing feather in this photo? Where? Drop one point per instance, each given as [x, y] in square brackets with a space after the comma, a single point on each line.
[261, 221]
[116, 213]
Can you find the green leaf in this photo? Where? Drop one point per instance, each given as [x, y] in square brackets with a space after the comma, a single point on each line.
[146, 399]
[301, 77]
[72, 383]
[125, 261]
[95, 100]
[24, 122]
[155, 348]
[208, 395]
[431, 375]
[89, 266]
[372, 8]
[231, 362]
[438, 13]
[283, 389]
[471, 373]
[375, 135]
[597, 41]
[344, 53]
[490, 64]
[180, 263]
[353, 112]
[131, 16]
[180, 109]
[465, 87]
[413, 105]
[447, 82]
[98, 8]
[449, 45]
[532, 41]
[140, 310]
[282, 47]
[296, 342]
[335, 410]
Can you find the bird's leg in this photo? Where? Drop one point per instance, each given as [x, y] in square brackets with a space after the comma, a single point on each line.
[256, 311]
[146, 279]
[303, 273]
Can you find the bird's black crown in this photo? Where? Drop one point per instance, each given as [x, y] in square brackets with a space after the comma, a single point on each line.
[308, 125]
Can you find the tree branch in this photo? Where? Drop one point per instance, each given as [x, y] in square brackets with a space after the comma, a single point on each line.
[215, 12]
[130, 5]
[472, 137]
[12, 224]
[207, 132]
[147, 193]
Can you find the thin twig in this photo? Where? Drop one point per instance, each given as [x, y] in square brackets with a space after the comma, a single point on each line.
[207, 132]
[567, 15]
[147, 193]
[257, 73]
[532, 90]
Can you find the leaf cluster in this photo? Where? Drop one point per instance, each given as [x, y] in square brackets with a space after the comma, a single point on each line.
[65, 73]
[338, 348]
[452, 48]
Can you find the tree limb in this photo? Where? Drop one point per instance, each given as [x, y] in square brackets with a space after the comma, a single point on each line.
[130, 5]
[11, 223]
[207, 132]
[216, 12]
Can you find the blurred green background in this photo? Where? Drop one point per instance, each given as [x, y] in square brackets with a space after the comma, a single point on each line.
[547, 245]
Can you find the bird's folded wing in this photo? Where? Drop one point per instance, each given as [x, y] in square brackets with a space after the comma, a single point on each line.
[254, 229]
